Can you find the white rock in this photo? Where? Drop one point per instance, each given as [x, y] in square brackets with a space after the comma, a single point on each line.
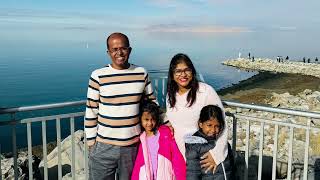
[80, 175]
[66, 156]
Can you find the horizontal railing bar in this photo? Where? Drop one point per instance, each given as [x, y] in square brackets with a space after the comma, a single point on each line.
[43, 118]
[161, 77]
[229, 103]
[275, 110]
[275, 122]
[40, 107]
[47, 118]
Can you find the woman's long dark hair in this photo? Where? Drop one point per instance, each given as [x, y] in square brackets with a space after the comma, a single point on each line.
[172, 86]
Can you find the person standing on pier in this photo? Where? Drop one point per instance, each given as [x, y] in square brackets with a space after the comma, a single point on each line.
[249, 55]
[304, 60]
[112, 124]
[316, 60]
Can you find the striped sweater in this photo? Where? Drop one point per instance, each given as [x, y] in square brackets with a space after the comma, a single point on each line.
[113, 98]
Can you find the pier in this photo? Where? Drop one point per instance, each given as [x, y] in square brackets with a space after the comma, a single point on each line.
[265, 64]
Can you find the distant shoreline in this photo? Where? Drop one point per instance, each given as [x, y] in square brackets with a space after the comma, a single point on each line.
[270, 65]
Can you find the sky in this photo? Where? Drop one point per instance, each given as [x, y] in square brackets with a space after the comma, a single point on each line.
[163, 23]
[196, 16]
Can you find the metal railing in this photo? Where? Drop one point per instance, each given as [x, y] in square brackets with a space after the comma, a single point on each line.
[277, 124]
[159, 84]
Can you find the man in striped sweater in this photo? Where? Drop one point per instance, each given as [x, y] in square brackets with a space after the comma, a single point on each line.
[112, 114]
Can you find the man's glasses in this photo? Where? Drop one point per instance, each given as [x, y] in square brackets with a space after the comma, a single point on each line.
[178, 72]
[122, 49]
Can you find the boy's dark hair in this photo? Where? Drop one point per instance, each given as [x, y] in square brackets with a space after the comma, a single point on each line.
[212, 111]
[154, 110]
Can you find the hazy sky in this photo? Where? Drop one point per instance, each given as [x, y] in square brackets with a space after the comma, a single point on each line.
[268, 27]
[199, 16]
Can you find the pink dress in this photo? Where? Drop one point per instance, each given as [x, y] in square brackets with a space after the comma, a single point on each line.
[171, 164]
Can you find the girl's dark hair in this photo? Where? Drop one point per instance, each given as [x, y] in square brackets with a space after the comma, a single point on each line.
[154, 110]
[212, 111]
[172, 86]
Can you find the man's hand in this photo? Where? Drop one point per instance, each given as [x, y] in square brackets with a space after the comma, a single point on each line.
[208, 162]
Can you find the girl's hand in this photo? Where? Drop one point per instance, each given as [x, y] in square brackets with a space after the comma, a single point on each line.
[208, 162]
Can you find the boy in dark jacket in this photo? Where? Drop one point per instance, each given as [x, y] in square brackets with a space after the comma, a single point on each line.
[211, 123]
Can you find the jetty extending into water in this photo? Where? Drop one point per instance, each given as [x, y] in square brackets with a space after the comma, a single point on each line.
[265, 64]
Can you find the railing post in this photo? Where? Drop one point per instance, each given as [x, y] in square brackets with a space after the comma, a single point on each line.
[44, 150]
[29, 136]
[163, 94]
[275, 152]
[73, 153]
[290, 153]
[260, 150]
[234, 135]
[14, 146]
[156, 88]
[306, 152]
[58, 130]
[247, 150]
[234, 132]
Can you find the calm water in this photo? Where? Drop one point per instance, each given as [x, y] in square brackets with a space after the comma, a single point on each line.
[39, 67]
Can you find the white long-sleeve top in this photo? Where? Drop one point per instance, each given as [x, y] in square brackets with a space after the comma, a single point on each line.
[184, 119]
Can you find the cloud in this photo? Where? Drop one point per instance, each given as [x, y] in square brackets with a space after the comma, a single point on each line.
[287, 28]
[189, 4]
[179, 3]
[176, 28]
[164, 3]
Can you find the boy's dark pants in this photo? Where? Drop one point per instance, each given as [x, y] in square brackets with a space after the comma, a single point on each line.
[105, 159]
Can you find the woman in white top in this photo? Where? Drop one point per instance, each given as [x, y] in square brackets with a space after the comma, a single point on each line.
[185, 98]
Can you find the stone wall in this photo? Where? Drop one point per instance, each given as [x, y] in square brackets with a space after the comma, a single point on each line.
[264, 64]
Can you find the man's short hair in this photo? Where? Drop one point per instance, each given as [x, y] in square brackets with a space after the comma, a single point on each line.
[117, 34]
